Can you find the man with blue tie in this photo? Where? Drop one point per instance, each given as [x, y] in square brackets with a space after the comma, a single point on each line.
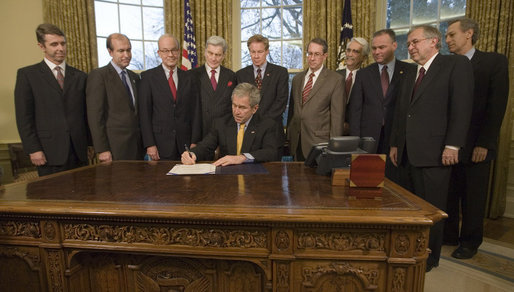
[111, 96]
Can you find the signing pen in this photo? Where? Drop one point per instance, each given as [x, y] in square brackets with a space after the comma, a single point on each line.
[188, 151]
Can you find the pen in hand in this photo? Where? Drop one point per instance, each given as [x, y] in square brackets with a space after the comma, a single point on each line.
[188, 151]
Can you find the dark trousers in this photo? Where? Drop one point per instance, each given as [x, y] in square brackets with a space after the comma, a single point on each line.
[430, 184]
[72, 162]
[467, 194]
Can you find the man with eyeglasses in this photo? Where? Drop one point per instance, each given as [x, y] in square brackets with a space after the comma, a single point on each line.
[111, 96]
[169, 105]
[470, 178]
[431, 122]
[215, 83]
[316, 107]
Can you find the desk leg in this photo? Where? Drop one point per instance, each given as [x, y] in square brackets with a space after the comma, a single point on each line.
[281, 276]
[54, 264]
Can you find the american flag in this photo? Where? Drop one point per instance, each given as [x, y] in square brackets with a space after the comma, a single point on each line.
[189, 58]
[346, 34]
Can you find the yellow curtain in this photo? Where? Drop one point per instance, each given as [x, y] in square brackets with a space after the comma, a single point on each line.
[323, 19]
[496, 21]
[76, 18]
[210, 17]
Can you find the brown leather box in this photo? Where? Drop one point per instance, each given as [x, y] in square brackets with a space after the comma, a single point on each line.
[367, 170]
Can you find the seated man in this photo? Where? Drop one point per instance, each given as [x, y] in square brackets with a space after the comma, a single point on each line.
[243, 138]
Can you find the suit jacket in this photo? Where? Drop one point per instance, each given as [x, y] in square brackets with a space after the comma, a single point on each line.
[322, 115]
[368, 109]
[51, 119]
[260, 139]
[215, 104]
[113, 119]
[274, 90]
[438, 113]
[164, 122]
[490, 100]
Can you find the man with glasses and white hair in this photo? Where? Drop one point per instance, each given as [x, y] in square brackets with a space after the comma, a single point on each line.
[432, 117]
[316, 107]
[169, 106]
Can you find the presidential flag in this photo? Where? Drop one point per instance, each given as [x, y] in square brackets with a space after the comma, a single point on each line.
[346, 34]
[189, 57]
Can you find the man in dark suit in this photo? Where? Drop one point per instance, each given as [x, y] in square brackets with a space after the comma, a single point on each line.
[374, 93]
[242, 138]
[169, 109]
[215, 83]
[430, 124]
[270, 79]
[51, 107]
[317, 107]
[470, 178]
[111, 96]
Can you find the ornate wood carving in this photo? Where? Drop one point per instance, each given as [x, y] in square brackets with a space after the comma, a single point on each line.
[242, 276]
[341, 241]
[55, 270]
[282, 240]
[366, 277]
[283, 272]
[21, 228]
[30, 257]
[421, 243]
[163, 235]
[399, 280]
[402, 243]
[50, 230]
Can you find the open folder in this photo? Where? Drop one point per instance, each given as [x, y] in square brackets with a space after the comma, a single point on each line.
[199, 168]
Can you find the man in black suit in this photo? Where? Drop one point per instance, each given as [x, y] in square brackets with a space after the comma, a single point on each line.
[169, 105]
[374, 95]
[242, 138]
[111, 96]
[215, 83]
[430, 124]
[470, 178]
[50, 105]
[270, 79]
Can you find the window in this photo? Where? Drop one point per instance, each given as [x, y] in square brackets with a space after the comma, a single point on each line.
[142, 21]
[281, 22]
[402, 14]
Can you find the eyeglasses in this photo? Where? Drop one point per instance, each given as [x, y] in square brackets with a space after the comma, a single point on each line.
[167, 51]
[415, 42]
[317, 54]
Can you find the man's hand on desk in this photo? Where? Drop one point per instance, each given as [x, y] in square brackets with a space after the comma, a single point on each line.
[153, 152]
[188, 158]
[230, 160]
[38, 158]
[105, 156]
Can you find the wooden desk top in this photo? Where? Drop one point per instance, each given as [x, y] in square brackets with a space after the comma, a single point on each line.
[290, 192]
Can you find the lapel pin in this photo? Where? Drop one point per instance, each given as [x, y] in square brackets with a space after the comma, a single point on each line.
[253, 132]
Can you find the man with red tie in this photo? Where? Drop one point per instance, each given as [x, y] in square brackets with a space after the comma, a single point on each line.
[169, 105]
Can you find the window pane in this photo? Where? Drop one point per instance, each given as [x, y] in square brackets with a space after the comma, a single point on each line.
[137, 62]
[153, 20]
[401, 52]
[245, 56]
[131, 1]
[292, 26]
[249, 3]
[151, 56]
[443, 28]
[130, 21]
[271, 26]
[268, 3]
[106, 18]
[292, 54]
[398, 13]
[292, 2]
[424, 11]
[275, 52]
[103, 55]
[453, 8]
[249, 23]
[153, 2]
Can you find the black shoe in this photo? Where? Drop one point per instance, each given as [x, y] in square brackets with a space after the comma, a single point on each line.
[464, 252]
[430, 266]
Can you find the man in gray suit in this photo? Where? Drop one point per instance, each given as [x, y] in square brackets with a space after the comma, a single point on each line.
[111, 96]
[316, 109]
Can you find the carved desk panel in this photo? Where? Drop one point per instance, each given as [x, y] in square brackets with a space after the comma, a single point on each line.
[126, 226]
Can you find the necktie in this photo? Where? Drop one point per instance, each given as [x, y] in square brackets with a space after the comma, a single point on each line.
[384, 80]
[307, 88]
[124, 79]
[348, 85]
[213, 80]
[418, 81]
[60, 77]
[258, 79]
[173, 88]
[240, 135]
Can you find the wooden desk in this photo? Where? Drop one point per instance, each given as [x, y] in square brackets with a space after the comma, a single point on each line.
[126, 226]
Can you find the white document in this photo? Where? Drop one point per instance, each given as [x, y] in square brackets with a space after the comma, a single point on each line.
[199, 168]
